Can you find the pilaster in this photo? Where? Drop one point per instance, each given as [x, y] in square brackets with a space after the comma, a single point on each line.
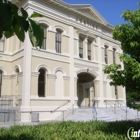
[71, 48]
[66, 87]
[34, 83]
[26, 83]
[51, 84]
[100, 71]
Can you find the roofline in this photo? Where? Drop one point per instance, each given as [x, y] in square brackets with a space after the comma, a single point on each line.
[70, 7]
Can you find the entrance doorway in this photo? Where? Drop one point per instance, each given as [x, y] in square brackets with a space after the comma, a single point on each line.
[85, 89]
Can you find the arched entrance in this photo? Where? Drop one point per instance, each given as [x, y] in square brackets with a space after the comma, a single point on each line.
[85, 89]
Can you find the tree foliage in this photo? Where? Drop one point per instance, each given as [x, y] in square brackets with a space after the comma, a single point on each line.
[16, 21]
[129, 36]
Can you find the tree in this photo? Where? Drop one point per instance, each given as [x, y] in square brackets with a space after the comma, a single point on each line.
[129, 36]
[16, 21]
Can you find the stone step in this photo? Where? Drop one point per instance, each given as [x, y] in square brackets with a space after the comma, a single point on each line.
[103, 114]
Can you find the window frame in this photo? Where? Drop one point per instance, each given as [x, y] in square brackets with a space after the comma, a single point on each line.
[58, 40]
[114, 55]
[1, 73]
[44, 44]
[81, 47]
[89, 49]
[106, 54]
[40, 81]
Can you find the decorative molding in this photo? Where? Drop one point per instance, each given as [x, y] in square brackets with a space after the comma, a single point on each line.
[51, 76]
[66, 35]
[87, 70]
[96, 81]
[43, 66]
[16, 67]
[66, 77]
[3, 70]
[13, 76]
[35, 74]
[61, 69]
[53, 31]
[20, 74]
[6, 76]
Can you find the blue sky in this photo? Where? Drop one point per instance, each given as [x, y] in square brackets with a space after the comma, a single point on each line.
[111, 10]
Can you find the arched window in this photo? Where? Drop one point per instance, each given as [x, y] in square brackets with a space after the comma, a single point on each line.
[59, 84]
[58, 41]
[2, 44]
[41, 83]
[114, 56]
[0, 82]
[80, 47]
[45, 37]
[17, 75]
[89, 49]
[106, 54]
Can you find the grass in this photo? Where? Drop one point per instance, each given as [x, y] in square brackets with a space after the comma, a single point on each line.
[94, 130]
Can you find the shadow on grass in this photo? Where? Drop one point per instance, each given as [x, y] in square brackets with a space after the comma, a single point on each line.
[18, 137]
[119, 127]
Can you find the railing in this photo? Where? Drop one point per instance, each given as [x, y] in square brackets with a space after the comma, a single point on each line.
[120, 105]
[68, 109]
[112, 105]
[60, 106]
[94, 111]
[138, 114]
[123, 109]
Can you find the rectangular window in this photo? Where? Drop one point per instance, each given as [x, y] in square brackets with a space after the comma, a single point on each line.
[45, 38]
[89, 49]
[105, 53]
[114, 56]
[58, 41]
[80, 47]
[0, 82]
[2, 44]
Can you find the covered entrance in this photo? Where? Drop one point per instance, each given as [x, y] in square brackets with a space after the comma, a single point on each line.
[85, 89]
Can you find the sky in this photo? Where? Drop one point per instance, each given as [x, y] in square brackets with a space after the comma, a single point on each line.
[111, 10]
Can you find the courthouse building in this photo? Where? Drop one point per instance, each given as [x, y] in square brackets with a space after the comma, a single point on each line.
[67, 69]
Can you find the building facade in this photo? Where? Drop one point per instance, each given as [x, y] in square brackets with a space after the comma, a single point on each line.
[67, 69]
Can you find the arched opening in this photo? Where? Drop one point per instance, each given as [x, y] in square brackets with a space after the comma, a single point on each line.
[41, 82]
[85, 89]
[0, 82]
[59, 84]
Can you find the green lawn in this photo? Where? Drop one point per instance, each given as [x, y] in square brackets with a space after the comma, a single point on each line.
[93, 130]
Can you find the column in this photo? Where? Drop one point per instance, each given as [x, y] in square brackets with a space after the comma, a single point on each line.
[85, 49]
[75, 87]
[26, 83]
[71, 48]
[100, 71]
